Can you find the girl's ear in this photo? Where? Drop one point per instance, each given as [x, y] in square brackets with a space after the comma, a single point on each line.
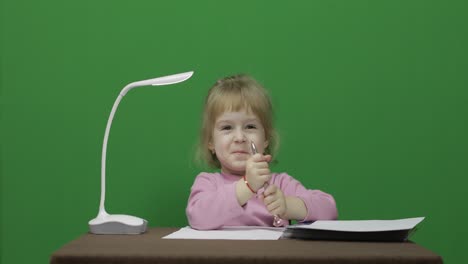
[210, 146]
[265, 145]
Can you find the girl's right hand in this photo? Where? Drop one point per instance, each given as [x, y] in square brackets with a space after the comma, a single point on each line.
[257, 171]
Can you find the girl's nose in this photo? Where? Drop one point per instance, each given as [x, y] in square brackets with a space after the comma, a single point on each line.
[239, 136]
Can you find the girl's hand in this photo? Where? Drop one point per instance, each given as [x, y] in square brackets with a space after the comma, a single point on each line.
[257, 171]
[275, 201]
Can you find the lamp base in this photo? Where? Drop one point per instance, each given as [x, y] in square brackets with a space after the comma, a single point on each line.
[117, 225]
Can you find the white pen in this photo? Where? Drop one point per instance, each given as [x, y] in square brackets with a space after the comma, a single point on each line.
[276, 220]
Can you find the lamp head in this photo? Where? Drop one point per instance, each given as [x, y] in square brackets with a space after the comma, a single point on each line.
[165, 80]
[171, 79]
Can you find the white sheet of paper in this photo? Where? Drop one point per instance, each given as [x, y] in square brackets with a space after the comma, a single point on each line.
[229, 233]
[363, 225]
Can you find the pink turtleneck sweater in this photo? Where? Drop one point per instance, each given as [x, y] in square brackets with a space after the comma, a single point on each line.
[213, 203]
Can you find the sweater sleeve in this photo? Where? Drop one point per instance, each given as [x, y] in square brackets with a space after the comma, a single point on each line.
[211, 203]
[320, 205]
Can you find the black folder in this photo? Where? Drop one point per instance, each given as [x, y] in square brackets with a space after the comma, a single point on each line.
[378, 236]
[308, 231]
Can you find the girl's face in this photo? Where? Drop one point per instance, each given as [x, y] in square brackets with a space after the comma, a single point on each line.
[231, 138]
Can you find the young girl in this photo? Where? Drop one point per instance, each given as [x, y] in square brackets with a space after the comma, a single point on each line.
[237, 112]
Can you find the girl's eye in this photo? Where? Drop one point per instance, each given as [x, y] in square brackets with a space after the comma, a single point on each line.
[251, 126]
[227, 127]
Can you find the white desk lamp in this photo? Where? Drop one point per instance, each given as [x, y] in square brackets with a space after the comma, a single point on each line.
[105, 223]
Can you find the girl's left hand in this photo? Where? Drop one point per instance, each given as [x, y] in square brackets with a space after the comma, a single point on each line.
[274, 200]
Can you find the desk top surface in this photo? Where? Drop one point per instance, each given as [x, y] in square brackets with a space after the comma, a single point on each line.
[151, 248]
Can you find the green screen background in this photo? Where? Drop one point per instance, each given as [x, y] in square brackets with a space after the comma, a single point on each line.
[370, 101]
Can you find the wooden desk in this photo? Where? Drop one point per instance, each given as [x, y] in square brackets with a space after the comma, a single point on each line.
[150, 248]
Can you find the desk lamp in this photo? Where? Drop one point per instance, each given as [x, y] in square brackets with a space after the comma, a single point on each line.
[105, 223]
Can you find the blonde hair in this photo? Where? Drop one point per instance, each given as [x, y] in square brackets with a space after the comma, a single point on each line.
[235, 93]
